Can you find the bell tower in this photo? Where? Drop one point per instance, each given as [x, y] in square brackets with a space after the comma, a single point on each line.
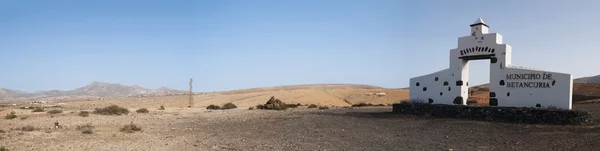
[479, 28]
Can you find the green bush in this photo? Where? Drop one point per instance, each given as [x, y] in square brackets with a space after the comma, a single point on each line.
[142, 110]
[38, 109]
[10, 116]
[213, 107]
[228, 106]
[55, 111]
[312, 106]
[111, 110]
[130, 128]
[84, 113]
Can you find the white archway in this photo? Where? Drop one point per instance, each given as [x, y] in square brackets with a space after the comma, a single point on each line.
[509, 85]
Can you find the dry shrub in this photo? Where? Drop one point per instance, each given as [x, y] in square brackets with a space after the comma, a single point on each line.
[38, 109]
[111, 110]
[161, 107]
[367, 104]
[28, 128]
[3, 149]
[130, 128]
[10, 116]
[55, 111]
[323, 107]
[312, 106]
[142, 110]
[228, 106]
[24, 117]
[472, 102]
[84, 113]
[213, 107]
[86, 129]
[361, 104]
[2, 131]
[251, 108]
[292, 105]
[260, 106]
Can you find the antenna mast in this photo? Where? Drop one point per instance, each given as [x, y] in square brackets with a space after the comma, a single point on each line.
[191, 101]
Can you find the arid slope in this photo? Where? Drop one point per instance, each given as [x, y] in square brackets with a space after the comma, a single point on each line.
[322, 94]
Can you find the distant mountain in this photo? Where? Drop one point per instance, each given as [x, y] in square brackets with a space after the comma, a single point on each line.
[165, 89]
[8, 93]
[108, 89]
[592, 79]
[94, 89]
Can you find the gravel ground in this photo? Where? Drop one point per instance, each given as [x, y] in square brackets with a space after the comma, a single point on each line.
[365, 128]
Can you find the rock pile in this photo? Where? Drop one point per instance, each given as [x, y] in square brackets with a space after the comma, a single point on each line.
[276, 104]
[501, 114]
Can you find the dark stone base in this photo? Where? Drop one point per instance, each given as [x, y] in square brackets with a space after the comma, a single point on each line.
[500, 114]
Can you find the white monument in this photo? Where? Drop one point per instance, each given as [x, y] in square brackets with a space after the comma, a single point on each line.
[510, 85]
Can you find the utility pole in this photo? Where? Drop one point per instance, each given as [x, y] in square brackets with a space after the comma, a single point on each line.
[191, 101]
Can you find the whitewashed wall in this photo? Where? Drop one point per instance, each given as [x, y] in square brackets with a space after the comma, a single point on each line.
[508, 86]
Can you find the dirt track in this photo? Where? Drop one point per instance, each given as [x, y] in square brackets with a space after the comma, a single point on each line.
[367, 128]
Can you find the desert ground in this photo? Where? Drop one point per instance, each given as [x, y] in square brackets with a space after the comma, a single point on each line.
[338, 128]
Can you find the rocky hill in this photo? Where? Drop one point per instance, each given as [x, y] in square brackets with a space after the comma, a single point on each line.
[95, 89]
[589, 80]
[11, 93]
[108, 89]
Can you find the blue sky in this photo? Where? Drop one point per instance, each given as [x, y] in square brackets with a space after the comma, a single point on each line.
[235, 44]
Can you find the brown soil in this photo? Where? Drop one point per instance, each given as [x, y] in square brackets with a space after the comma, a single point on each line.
[364, 128]
[338, 128]
[322, 95]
